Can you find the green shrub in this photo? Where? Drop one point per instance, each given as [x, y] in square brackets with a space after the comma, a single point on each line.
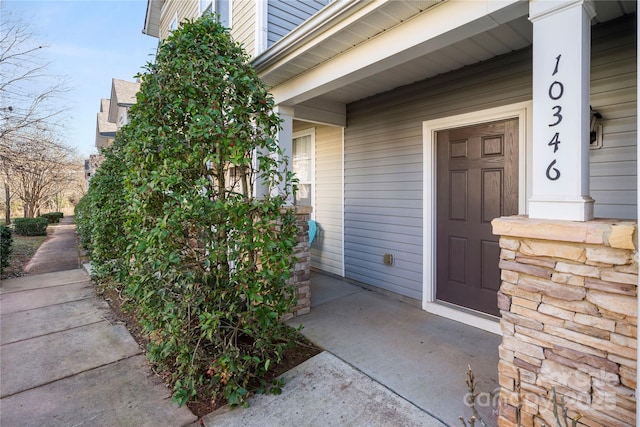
[31, 226]
[207, 263]
[6, 246]
[83, 220]
[106, 213]
[53, 217]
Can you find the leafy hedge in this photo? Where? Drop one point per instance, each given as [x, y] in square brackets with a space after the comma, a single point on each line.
[6, 246]
[31, 226]
[172, 215]
[53, 217]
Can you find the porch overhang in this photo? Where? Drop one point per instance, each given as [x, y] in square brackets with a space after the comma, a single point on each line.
[302, 66]
[331, 61]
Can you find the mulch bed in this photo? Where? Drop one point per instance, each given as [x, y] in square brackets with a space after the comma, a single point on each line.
[294, 356]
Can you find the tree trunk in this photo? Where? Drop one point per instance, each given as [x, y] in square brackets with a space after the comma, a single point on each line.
[7, 199]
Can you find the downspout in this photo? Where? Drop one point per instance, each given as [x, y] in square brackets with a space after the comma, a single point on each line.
[637, 218]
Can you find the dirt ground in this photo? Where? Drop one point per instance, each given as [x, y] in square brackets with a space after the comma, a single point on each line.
[302, 351]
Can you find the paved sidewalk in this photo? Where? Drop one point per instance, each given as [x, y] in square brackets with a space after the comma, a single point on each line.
[65, 362]
[58, 252]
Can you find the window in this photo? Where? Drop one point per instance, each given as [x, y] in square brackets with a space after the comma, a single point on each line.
[220, 7]
[174, 23]
[303, 167]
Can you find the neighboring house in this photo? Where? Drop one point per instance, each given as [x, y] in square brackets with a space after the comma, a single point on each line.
[415, 124]
[113, 112]
[105, 130]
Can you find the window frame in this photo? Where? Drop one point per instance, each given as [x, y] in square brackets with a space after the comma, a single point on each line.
[211, 6]
[311, 132]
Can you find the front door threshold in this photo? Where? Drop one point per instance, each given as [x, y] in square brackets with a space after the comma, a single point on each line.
[474, 318]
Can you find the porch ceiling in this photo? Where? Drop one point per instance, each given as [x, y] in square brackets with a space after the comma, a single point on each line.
[512, 32]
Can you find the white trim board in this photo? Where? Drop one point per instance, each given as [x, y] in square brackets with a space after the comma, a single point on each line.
[522, 111]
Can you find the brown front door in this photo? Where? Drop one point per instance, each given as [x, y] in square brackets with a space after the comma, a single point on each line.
[477, 182]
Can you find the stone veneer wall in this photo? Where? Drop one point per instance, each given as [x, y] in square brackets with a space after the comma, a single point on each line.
[568, 301]
[302, 270]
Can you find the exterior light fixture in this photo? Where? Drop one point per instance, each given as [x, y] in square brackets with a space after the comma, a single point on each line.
[595, 135]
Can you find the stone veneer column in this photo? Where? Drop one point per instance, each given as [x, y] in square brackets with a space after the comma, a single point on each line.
[568, 301]
[302, 270]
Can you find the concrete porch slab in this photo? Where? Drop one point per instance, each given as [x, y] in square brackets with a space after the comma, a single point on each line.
[45, 280]
[61, 354]
[14, 302]
[420, 356]
[120, 394]
[55, 318]
[325, 391]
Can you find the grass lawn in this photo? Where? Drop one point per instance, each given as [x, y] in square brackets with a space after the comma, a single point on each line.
[23, 249]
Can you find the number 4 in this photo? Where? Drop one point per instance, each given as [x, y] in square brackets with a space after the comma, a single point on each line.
[555, 141]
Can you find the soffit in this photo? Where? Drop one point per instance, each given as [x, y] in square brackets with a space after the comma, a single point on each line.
[504, 38]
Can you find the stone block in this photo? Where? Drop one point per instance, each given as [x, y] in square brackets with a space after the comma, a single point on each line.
[506, 382]
[539, 261]
[624, 340]
[554, 249]
[509, 276]
[524, 227]
[514, 290]
[628, 377]
[629, 268]
[545, 319]
[555, 341]
[505, 354]
[507, 328]
[597, 363]
[612, 287]
[622, 304]
[523, 321]
[533, 305]
[608, 255]
[519, 346]
[590, 341]
[557, 373]
[507, 254]
[625, 328]
[555, 311]
[595, 321]
[582, 367]
[587, 330]
[568, 279]
[578, 269]
[623, 361]
[576, 306]
[616, 276]
[529, 359]
[547, 287]
[526, 367]
[623, 236]
[510, 244]
[530, 270]
[504, 302]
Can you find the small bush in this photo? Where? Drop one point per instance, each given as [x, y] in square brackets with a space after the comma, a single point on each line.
[53, 217]
[6, 246]
[31, 226]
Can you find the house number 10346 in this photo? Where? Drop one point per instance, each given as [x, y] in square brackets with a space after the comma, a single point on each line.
[556, 90]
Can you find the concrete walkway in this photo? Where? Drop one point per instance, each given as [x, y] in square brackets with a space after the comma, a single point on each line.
[64, 360]
[58, 252]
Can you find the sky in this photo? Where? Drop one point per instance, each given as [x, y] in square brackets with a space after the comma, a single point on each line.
[90, 42]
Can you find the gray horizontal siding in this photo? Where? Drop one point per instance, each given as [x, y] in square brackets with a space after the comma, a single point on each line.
[383, 153]
[326, 251]
[285, 15]
[613, 94]
[384, 165]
